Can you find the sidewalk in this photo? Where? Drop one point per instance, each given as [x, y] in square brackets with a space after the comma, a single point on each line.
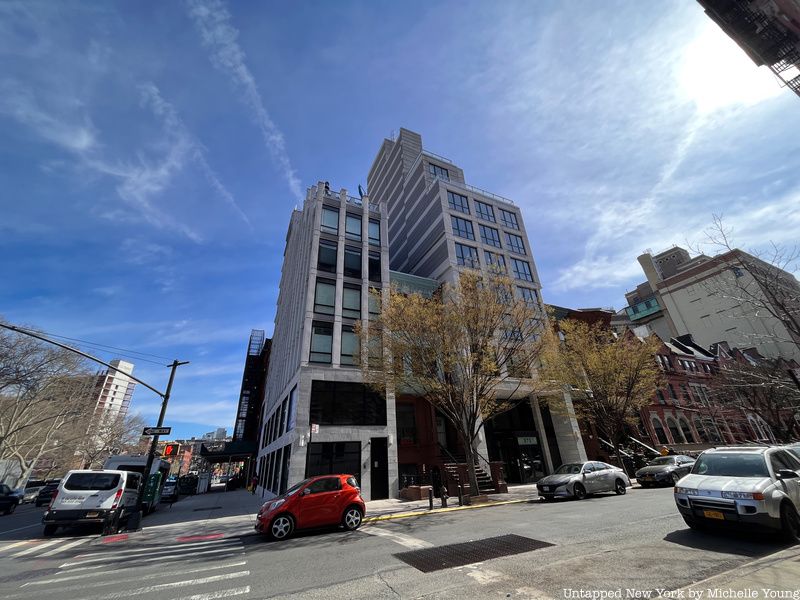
[774, 576]
[379, 510]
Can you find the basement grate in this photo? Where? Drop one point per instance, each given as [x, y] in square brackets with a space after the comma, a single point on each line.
[457, 555]
[207, 508]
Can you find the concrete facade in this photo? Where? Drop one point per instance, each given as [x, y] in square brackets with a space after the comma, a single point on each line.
[296, 361]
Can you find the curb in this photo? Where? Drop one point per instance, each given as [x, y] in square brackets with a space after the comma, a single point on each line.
[427, 512]
[741, 571]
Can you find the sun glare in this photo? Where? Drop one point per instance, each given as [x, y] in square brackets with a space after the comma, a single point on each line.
[716, 73]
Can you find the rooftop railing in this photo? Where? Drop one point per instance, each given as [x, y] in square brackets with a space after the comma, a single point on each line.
[373, 206]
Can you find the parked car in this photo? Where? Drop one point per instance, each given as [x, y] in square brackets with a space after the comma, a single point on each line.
[664, 470]
[31, 491]
[577, 480]
[170, 493]
[8, 500]
[314, 502]
[45, 494]
[102, 497]
[743, 487]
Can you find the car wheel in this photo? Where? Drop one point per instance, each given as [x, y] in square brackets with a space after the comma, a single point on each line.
[675, 478]
[50, 530]
[790, 523]
[352, 518]
[579, 491]
[110, 527]
[620, 488]
[281, 527]
[11, 509]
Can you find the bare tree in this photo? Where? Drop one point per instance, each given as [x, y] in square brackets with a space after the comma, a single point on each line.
[107, 436]
[470, 350]
[43, 390]
[761, 281]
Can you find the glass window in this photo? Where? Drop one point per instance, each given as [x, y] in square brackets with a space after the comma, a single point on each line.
[333, 457]
[490, 236]
[374, 232]
[509, 219]
[438, 171]
[522, 270]
[374, 303]
[352, 227]
[374, 265]
[325, 297]
[406, 424]
[462, 228]
[467, 256]
[326, 260]
[321, 342]
[327, 484]
[457, 202]
[351, 302]
[515, 243]
[330, 220]
[484, 211]
[498, 261]
[352, 262]
[349, 346]
[91, 482]
[531, 297]
[344, 403]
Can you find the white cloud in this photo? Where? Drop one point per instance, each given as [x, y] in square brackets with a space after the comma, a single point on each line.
[212, 20]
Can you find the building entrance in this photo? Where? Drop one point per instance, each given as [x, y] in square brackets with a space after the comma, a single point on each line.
[513, 439]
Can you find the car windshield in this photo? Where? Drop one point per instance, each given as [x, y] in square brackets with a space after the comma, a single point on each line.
[661, 460]
[569, 469]
[293, 490]
[795, 450]
[731, 464]
[78, 482]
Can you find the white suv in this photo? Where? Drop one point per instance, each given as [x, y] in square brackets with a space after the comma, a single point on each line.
[745, 487]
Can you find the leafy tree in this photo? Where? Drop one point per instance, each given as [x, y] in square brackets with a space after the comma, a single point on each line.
[469, 350]
[614, 376]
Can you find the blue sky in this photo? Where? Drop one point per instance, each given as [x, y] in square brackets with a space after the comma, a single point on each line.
[151, 153]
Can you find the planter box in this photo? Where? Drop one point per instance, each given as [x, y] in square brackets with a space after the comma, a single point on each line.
[415, 492]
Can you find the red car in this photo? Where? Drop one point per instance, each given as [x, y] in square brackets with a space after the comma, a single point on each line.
[314, 502]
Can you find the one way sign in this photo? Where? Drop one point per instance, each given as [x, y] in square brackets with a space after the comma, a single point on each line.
[156, 430]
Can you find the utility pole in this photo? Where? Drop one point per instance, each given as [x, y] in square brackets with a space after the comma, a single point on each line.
[134, 520]
[151, 453]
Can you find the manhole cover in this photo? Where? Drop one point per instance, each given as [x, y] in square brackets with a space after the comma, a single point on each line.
[456, 555]
[207, 508]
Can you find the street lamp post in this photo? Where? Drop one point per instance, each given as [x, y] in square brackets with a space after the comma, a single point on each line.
[164, 400]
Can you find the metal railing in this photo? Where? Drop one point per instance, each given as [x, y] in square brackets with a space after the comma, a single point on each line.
[470, 188]
[374, 207]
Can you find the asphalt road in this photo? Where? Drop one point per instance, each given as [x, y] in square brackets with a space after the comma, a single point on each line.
[632, 542]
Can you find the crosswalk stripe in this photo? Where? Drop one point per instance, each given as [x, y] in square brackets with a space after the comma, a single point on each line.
[173, 584]
[158, 551]
[231, 551]
[221, 541]
[125, 580]
[15, 545]
[34, 548]
[72, 544]
[219, 594]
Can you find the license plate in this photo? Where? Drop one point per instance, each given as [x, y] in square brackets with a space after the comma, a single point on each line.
[92, 514]
[713, 514]
[71, 501]
[545, 488]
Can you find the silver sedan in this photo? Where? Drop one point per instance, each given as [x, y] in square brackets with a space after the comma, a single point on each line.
[577, 480]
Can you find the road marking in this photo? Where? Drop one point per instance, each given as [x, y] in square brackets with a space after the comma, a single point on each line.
[35, 548]
[195, 546]
[220, 594]
[15, 545]
[198, 538]
[435, 511]
[20, 528]
[157, 558]
[399, 538]
[72, 544]
[173, 584]
[127, 579]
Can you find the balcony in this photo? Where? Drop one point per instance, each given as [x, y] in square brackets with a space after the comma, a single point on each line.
[643, 309]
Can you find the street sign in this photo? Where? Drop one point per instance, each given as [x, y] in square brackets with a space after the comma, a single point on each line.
[314, 428]
[156, 430]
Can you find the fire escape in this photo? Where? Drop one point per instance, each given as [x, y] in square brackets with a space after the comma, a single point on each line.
[765, 39]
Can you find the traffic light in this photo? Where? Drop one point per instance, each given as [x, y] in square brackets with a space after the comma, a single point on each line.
[171, 449]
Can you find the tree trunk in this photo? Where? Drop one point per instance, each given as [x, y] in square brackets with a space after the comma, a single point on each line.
[471, 454]
[620, 458]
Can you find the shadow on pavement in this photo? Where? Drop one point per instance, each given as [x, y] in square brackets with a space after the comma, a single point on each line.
[727, 542]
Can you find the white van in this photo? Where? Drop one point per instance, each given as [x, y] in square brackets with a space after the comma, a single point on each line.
[102, 497]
